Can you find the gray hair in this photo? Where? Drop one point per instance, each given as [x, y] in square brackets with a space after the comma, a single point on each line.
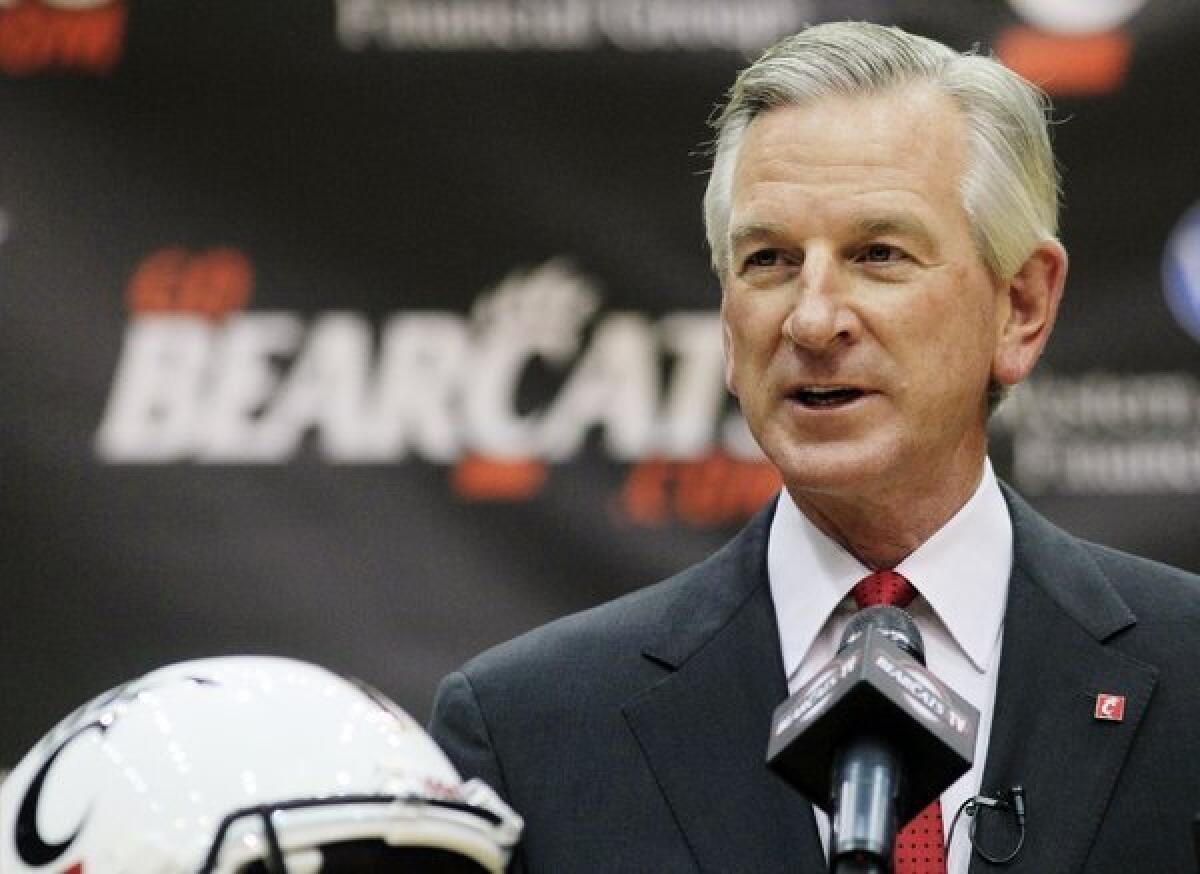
[1010, 184]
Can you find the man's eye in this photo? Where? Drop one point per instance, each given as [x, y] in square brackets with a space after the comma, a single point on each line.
[763, 258]
[880, 253]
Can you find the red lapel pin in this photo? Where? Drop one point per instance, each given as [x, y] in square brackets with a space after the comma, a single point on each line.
[1110, 708]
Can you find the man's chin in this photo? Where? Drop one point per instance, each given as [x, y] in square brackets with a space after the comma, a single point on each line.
[848, 472]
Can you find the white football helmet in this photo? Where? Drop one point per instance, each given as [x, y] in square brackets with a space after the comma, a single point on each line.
[246, 764]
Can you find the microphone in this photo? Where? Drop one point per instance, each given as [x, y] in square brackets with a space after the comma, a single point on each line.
[873, 738]
[1012, 799]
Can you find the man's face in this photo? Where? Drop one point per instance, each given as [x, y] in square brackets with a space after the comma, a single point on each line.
[860, 321]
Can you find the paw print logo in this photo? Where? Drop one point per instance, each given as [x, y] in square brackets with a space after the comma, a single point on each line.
[543, 309]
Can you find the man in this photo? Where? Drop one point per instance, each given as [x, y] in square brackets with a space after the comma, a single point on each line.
[881, 213]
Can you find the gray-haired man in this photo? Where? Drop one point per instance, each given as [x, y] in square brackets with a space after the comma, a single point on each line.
[882, 214]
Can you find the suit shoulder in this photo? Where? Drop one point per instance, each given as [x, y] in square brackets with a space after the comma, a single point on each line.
[1150, 587]
[614, 634]
[595, 632]
[1146, 591]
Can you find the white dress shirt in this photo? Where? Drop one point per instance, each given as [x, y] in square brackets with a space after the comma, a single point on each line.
[961, 577]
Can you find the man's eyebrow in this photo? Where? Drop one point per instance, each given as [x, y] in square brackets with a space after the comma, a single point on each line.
[895, 224]
[882, 225]
[755, 231]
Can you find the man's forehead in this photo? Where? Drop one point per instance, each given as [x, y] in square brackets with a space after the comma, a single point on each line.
[862, 127]
[904, 146]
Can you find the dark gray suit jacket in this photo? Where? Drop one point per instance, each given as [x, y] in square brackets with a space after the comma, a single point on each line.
[632, 737]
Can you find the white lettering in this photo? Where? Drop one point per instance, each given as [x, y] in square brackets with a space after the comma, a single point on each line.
[1117, 467]
[245, 375]
[415, 400]
[540, 313]
[154, 406]
[1102, 433]
[323, 390]
[517, 25]
[914, 685]
[515, 379]
[816, 695]
[695, 393]
[614, 386]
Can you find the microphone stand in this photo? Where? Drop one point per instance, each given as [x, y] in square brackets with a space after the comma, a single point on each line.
[868, 774]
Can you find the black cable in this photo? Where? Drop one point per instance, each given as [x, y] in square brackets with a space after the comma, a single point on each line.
[971, 807]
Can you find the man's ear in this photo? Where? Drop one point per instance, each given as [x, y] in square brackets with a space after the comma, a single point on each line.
[1027, 306]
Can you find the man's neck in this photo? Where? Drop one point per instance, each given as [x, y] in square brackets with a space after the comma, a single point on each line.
[882, 529]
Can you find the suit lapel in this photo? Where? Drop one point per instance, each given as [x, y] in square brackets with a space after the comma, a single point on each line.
[703, 728]
[1062, 611]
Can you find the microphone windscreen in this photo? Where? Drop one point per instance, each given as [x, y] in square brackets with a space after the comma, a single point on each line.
[893, 623]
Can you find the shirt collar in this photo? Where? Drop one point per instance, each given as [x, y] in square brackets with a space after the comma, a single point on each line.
[962, 572]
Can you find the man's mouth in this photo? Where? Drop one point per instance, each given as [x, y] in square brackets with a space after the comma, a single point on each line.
[826, 396]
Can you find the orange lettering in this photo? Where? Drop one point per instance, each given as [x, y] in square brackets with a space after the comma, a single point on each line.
[24, 39]
[478, 478]
[91, 39]
[644, 497]
[211, 284]
[35, 37]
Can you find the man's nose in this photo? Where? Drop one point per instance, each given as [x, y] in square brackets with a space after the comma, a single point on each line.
[819, 317]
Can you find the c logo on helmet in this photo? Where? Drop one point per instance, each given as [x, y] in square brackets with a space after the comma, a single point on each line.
[33, 849]
[31, 846]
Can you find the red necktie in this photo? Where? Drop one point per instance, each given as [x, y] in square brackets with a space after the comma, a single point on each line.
[920, 847]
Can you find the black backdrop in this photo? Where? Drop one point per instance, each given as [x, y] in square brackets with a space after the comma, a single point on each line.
[376, 331]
